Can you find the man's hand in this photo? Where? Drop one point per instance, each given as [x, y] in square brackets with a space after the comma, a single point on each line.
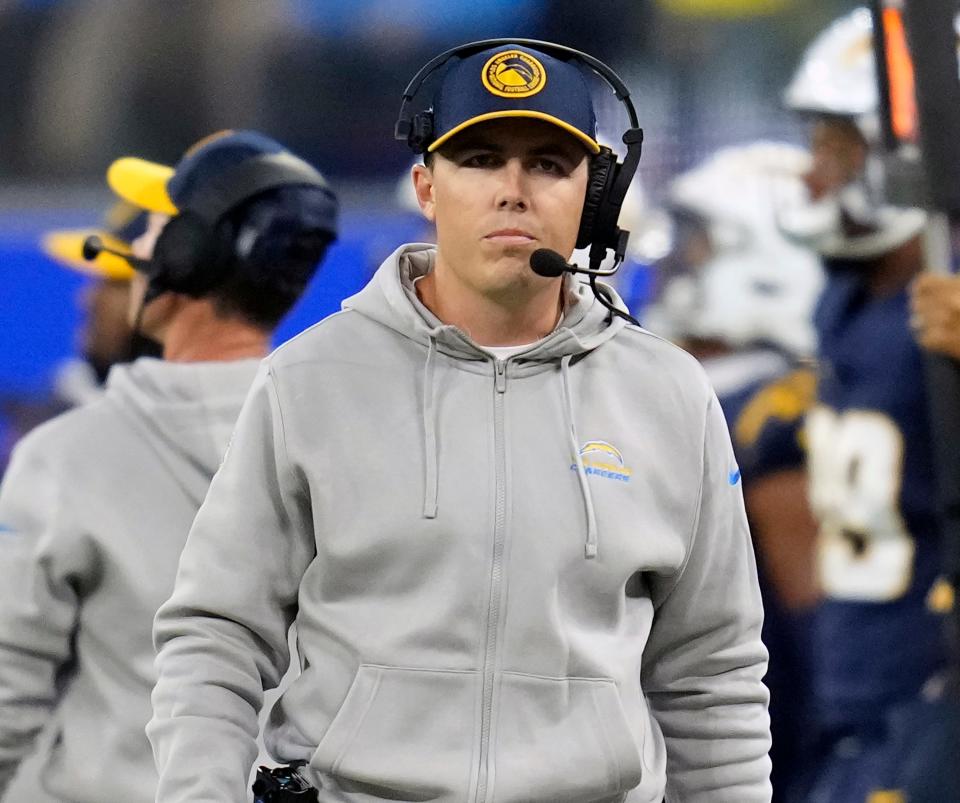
[935, 318]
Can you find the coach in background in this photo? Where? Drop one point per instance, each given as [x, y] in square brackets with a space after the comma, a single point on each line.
[104, 337]
[97, 503]
[935, 313]
[507, 523]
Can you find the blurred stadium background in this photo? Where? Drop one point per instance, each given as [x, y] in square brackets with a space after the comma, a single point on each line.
[85, 81]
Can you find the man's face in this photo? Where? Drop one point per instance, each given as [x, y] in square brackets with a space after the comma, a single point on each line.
[499, 191]
[104, 337]
[839, 155]
[142, 248]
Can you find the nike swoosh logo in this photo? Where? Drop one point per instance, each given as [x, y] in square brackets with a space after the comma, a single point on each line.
[734, 476]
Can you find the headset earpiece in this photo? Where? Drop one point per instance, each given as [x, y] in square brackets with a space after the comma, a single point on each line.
[607, 187]
[188, 256]
[602, 168]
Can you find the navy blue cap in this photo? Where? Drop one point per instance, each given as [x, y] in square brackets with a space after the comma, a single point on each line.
[159, 188]
[214, 156]
[513, 81]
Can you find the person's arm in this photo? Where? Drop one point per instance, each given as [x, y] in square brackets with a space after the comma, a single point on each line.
[41, 568]
[704, 660]
[222, 636]
[935, 313]
[768, 441]
[786, 534]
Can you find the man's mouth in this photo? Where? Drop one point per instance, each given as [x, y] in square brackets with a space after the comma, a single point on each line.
[510, 237]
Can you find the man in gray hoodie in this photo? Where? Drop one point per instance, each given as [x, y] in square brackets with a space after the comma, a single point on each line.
[508, 524]
[97, 503]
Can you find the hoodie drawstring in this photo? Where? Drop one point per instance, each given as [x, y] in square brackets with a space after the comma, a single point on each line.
[590, 547]
[431, 479]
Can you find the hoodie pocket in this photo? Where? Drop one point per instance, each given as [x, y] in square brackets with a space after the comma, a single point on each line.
[563, 739]
[403, 734]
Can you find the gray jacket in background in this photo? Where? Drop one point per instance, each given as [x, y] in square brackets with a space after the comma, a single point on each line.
[94, 511]
[522, 581]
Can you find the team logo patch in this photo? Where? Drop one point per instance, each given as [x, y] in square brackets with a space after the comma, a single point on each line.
[514, 74]
[602, 459]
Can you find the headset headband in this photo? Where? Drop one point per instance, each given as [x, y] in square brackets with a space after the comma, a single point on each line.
[402, 130]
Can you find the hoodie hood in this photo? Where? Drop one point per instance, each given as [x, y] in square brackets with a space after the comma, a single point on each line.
[391, 300]
[186, 410]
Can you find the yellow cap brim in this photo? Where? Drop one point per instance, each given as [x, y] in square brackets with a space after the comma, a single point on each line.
[592, 145]
[66, 247]
[142, 183]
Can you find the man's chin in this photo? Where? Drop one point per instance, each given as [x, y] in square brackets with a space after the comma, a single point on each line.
[512, 263]
[511, 278]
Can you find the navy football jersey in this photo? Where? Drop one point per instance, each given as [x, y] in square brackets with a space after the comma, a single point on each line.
[767, 422]
[872, 491]
[765, 395]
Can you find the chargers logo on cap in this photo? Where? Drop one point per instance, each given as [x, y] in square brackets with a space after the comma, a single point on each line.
[514, 74]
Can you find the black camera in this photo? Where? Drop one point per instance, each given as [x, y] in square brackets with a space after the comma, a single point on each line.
[283, 785]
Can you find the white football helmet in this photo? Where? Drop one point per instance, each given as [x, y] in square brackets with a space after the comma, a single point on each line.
[837, 77]
[753, 285]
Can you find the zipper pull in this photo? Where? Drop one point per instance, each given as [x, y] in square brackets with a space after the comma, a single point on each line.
[500, 370]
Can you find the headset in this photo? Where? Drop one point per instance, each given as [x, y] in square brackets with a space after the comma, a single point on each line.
[189, 257]
[609, 179]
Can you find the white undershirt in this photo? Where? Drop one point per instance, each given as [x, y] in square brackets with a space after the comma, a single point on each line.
[499, 352]
[505, 352]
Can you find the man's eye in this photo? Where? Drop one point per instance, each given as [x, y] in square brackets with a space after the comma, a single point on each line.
[480, 160]
[550, 166]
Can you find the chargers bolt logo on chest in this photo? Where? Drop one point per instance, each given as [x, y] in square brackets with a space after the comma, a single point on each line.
[513, 74]
[602, 459]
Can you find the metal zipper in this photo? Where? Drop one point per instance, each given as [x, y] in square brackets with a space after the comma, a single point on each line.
[496, 578]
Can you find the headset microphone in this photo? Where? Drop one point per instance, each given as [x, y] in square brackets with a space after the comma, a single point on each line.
[548, 263]
[545, 262]
[93, 246]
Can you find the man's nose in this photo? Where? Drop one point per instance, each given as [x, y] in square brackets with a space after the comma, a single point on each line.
[512, 192]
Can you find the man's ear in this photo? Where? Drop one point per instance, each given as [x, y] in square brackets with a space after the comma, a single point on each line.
[423, 187]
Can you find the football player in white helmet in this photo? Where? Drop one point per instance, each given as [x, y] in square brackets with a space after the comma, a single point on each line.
[732, 277]
[740, 297]
[878, 646]
[844, 215]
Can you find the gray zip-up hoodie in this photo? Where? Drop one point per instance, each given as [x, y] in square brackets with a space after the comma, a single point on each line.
[94, 511]
[520, 581]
